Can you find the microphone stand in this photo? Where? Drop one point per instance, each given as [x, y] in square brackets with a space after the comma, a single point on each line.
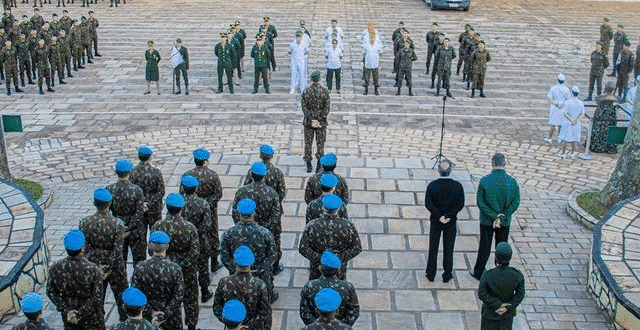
[440, 157]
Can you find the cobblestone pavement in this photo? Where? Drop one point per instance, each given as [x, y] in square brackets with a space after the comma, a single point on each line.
[73, 136]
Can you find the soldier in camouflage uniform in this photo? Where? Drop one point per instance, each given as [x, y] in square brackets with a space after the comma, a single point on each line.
[250, 290]
[66, 21]
[14, 33]
[327, 301]
[31, 305]
[599, 62]
[329, 233]
[226, 54]
[625, 67]
[445, 55]
[25, 26]
[470, 46]
[259, 239]
[316, 104]
[313, 189]
[261, 54]
[75, 287]
[134, 303]
[197, 211]
[9, 58]
[161, 281]
[32, 41]
[65, 52]
[37, 20]
[315, 209]
[2, 37]
[431, 38]
[55, 61]
[269, 210]
[349, 309]
[45, 33]
[93, 32]
[76, 45]
[438, 43]
[128, 205]
[210, 189]
[618, 43]
[85, 40]
[462, 40]
[24, 59]
[606, 34]
[149, 179]
[184, 250]
[405, 56]
[7, 19]
[42, 60]
[55, 25]
[104, 236]
[479, 59]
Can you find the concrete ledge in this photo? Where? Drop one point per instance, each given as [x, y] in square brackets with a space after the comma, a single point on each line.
[23, 254]
[613, 266]
[577, 213]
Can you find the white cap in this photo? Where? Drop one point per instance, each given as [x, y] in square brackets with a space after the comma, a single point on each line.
[575, 89]
[638, 78]
[561, 77]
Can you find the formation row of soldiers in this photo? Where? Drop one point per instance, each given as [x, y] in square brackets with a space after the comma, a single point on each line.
[7, 4]
[623, 59]
[183, 242]
[46, 48]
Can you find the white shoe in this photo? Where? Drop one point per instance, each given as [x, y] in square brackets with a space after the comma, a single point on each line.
[547, 140]
[561, 155]
[573, 156]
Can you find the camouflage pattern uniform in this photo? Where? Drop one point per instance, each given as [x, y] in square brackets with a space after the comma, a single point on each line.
[349, 309]
[210, 189]
[462, 50]
[149, 179]
[268, 210]
[313, 190]
[128, 204]
[24, 60]
[184, 250]
[32, 41]
[445, 56]
[329, 233]
[261, 243]
[104, 238]
[85, 41]
[431, 46]
[14, 33]
[76, 46]
[55, 26]
[46, 35]
[599, 62]
[93, 33]
[66, 24]
[316, 104]
[322, 325]
[315, 209]
[135, 325]
[470, 47]
[618, 43]
[42, 60]
[197, 211]
[606, 34]
[274, 179]
[75, 283]
[161, 281]
[479, 61]
[64, 44]
[37, 21]
[405, 61]
[436, 45]
[252, 292]
[33, 325]
[55, 61]
[625, 67]
[10, 59]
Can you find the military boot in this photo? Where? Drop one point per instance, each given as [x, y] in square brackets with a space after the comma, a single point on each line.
[433, 80]
[8, 90]
[18, 90]
[468, 84]
[366, 90]
[375, 90]
[205, 295]
[482, 93]
[448, 93]
[49, 89]
[411, 93]
[22, 81]
[61, 82]
[309, 167]
[186, 89]
[318, 167]
[266, 90]
[31, 82]
[398, 92]
[69, 73]
[473, 92]
[438, 91]
[41, 91]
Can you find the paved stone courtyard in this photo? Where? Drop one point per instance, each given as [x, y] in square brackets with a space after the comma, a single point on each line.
[73, 136]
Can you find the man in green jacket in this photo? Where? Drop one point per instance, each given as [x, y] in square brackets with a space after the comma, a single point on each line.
[498, 198]
[501, 290]
[226, 56]
[262, 58]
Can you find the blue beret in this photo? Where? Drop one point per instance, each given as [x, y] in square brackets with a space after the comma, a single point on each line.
[246, 207]
[329, 159]
[159, 237]
[175, 200]
[329, 180]
[201, 154]
[74, 240]
[102, 195]
[123, 166]
[145, 151]
[234, 311]
[331, 202]
[327, 300]
[133, 297]
[330, 260]
[189, 181]
[266, 150]
[31, 303]
[243, 256]
[259, 168]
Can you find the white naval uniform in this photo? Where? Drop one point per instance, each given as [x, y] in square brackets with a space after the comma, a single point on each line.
[298, 65]
[560, 94]
[568, 132]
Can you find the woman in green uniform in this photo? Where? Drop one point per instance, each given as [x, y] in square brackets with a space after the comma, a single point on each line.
[151, 72]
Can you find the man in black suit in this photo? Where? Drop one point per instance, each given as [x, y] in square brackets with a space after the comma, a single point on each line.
[444, 198]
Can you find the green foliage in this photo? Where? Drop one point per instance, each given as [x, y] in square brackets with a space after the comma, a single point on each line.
[33, 188]
[590, 203]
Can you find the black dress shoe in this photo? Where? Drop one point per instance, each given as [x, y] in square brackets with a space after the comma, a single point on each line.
[474, 275]
[274, 295]
[206, 295]
[430, 279]
[215, 267]
[278, 269]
